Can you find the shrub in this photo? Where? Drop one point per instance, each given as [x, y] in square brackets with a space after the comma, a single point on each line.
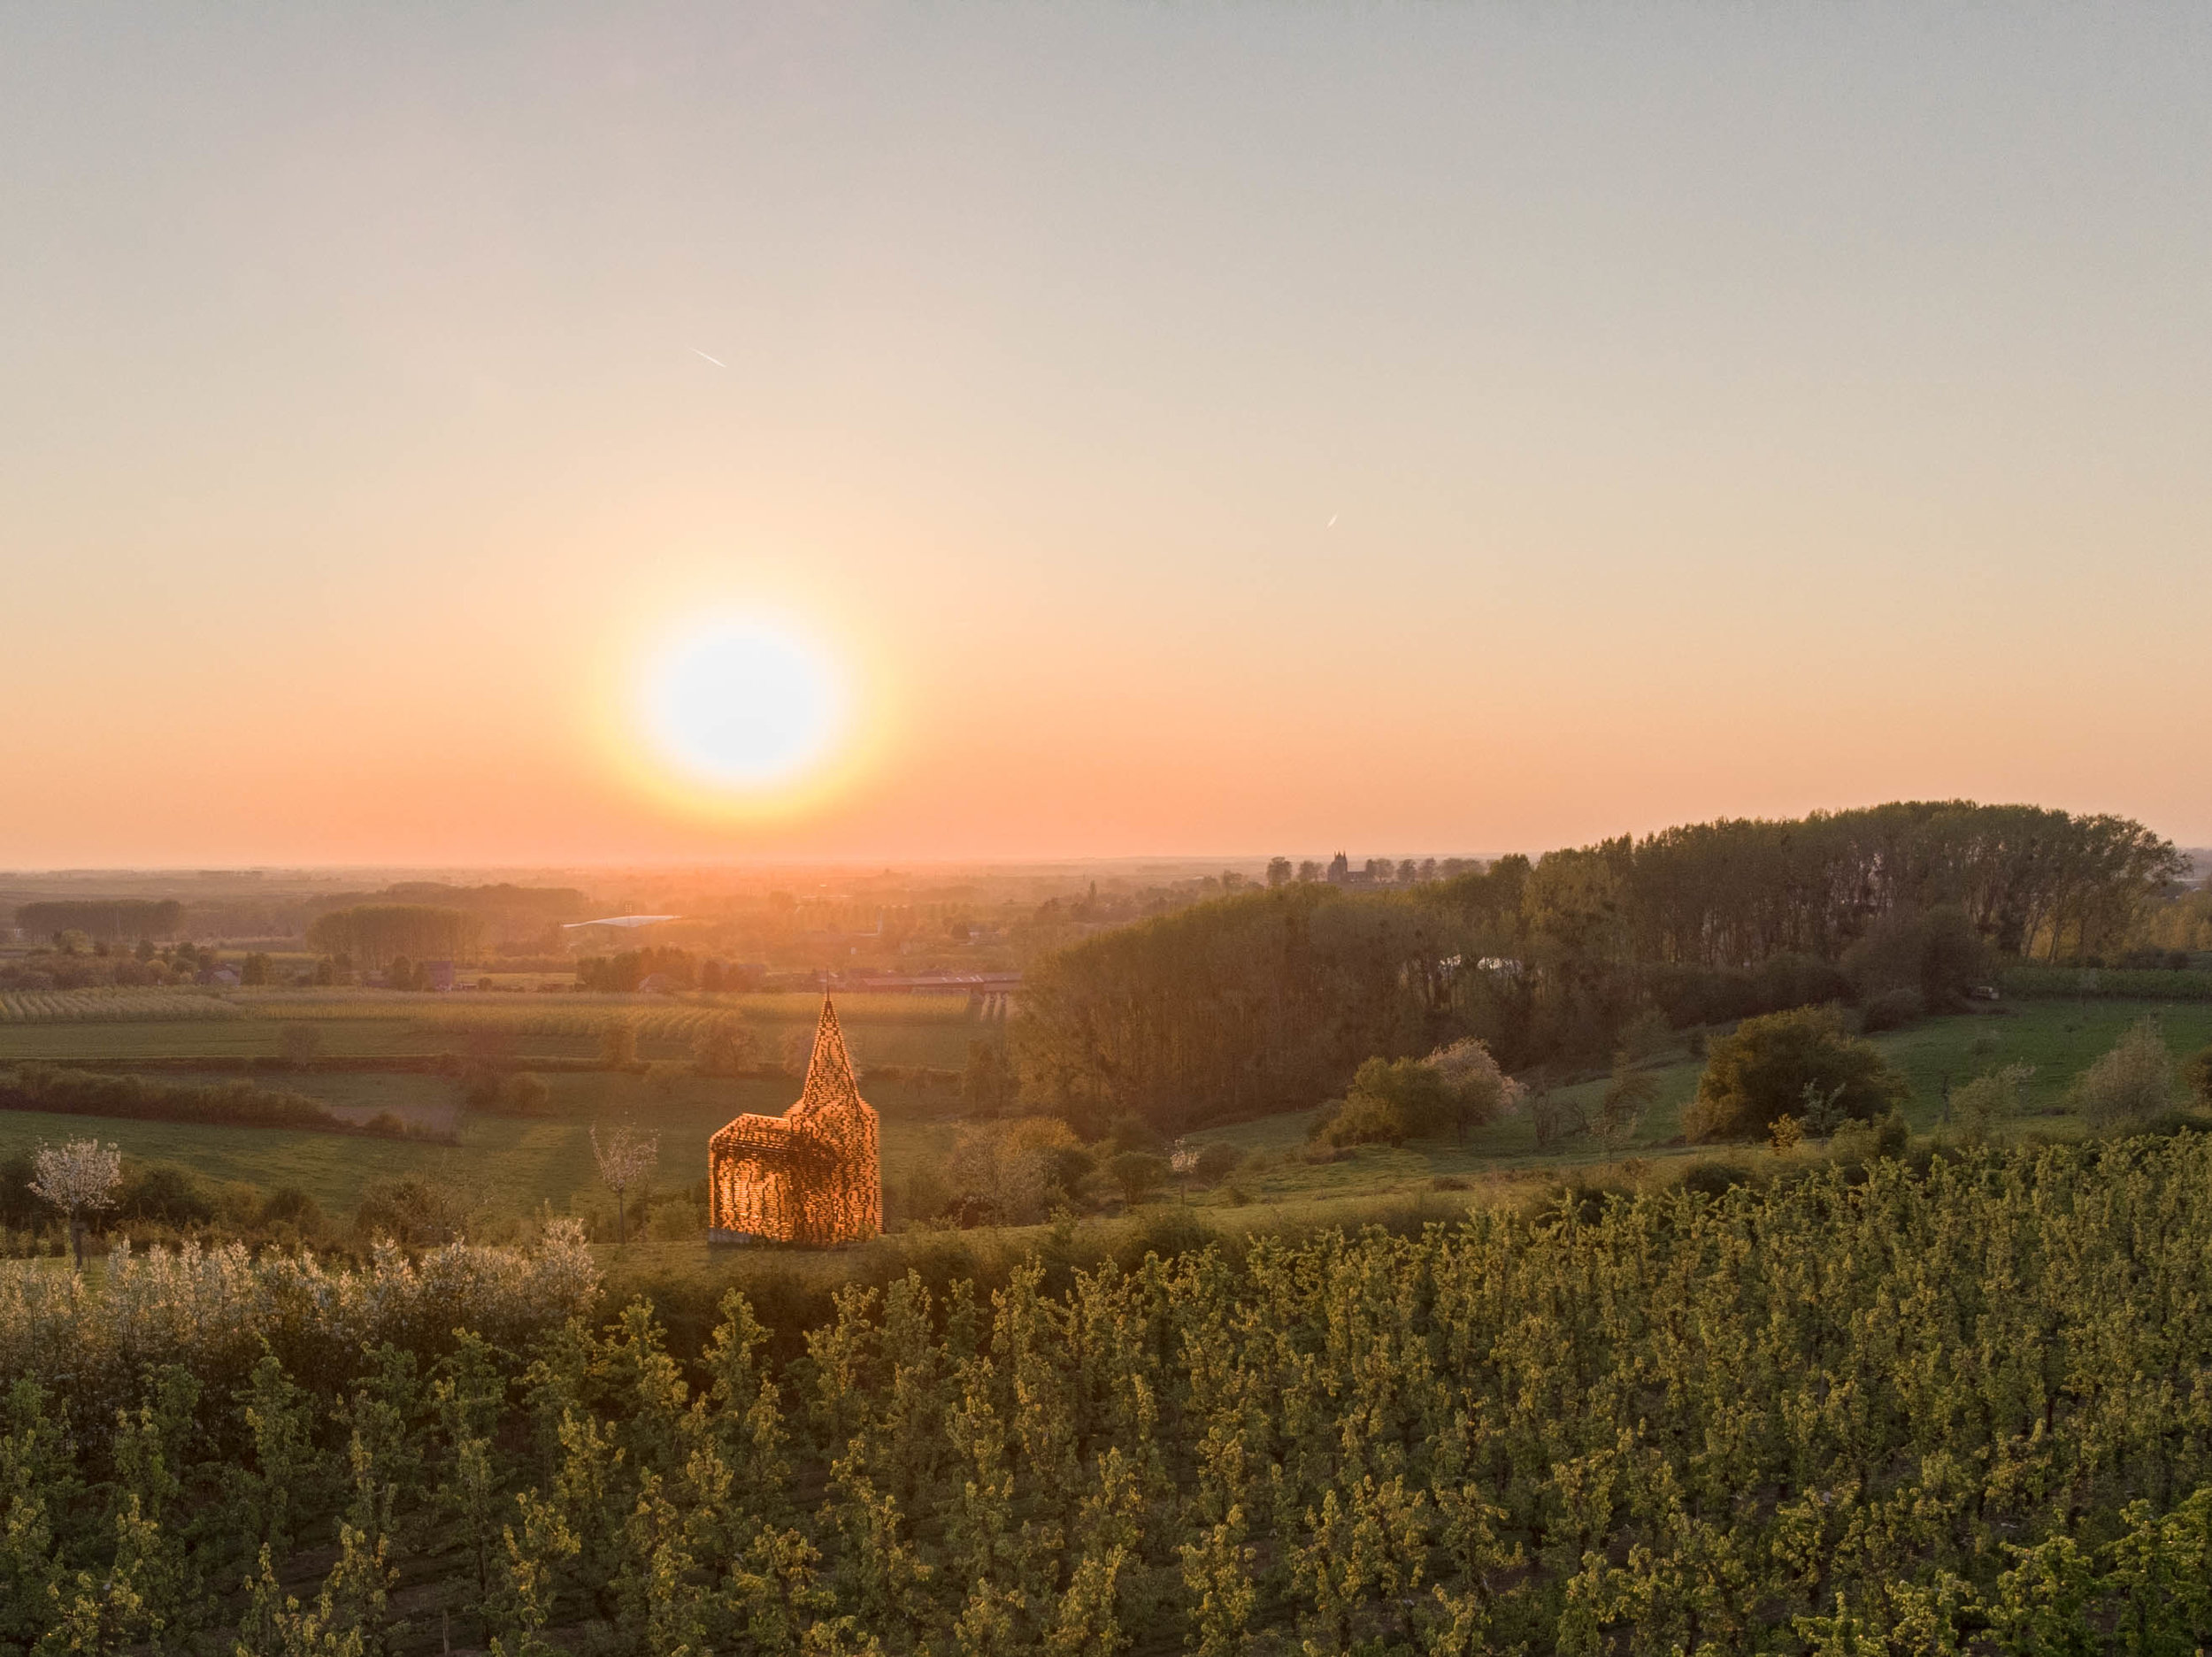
[18, 1207]
[726, 1047]
[411, 1211]
[1895, 1133]
[1007, 1173]
[1138, 1174]
[617, 1044]
[1392, 1100]
[1991, 1098]
[2196, 1076]
[1216, 1159]
[1131, 1132]
[1627, 1096]
[1892, 1009]
[288, 1205]
[1870, 1141]
[1763, 1070]
[1936, 953]
[1476, 1090]
[1646, 1035]
[2129, 1085]
[164, 1193]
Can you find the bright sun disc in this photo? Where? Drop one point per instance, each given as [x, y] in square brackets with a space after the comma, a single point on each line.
[742, 705]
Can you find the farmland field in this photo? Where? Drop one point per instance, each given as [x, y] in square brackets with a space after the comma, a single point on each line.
[83, 1007]
[107, 1025]
[510, 1166]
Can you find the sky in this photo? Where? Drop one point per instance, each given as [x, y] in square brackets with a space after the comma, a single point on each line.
[1188, 429]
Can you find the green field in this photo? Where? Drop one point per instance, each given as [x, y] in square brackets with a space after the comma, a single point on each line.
[895, 1030]
[506, 1167]
[2060, 1039]
[511, 1168]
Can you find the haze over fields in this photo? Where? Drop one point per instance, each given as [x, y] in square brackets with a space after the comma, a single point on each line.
[1131, 429]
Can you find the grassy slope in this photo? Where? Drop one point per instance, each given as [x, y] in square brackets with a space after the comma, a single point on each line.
[2060, 1039]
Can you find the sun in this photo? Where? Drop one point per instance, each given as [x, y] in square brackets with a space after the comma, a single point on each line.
[743, 706]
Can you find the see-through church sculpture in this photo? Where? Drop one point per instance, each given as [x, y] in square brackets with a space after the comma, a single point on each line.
[812, 1175]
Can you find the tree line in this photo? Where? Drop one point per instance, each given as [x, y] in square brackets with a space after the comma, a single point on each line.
[1270, 1000]
[103, 920]
[373, 934]
[1951, 1410]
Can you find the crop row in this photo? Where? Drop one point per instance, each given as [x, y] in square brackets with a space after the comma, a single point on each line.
[109, 1006]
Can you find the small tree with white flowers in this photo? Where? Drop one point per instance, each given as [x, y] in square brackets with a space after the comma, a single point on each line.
[79, 1177]
[626, 1156]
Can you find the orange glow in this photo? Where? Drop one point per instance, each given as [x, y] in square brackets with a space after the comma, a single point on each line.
[1184, 432]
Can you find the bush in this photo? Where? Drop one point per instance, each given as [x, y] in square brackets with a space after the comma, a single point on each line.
[2196, 1076]
[288, 1205]
[1476, 1090]
[1894, 1134]
[1936, 953]
[516, 1094]
[1131, 1132]
[413, 1212]
[1392, 1100]
[1990, 1099]
[1008, 1173]
[18, 1207]
[1771, 1066]
[727, 1047]
[165, 1194]
[617, 1044]
[1138, 1174]
[2129, 1085]
[1892, 1009]
[1217, 1158]
[1646, 1035]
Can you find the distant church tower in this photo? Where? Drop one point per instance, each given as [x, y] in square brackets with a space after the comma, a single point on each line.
[812, 1175]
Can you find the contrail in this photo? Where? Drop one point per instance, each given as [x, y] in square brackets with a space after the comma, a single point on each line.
[1332, 523]
[717, 361]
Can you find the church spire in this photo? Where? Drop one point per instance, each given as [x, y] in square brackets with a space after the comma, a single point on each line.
[829, 1072]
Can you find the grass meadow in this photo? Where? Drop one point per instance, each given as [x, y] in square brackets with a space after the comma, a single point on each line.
[512, 1169]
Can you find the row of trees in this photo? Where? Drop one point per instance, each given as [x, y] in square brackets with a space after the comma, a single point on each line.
[2029, 881]
[371, 934]
[106, 920]
[1272, 1000]
[1934, 1413]
[680, 968]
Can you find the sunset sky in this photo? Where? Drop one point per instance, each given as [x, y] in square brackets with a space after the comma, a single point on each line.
[1193, 429]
